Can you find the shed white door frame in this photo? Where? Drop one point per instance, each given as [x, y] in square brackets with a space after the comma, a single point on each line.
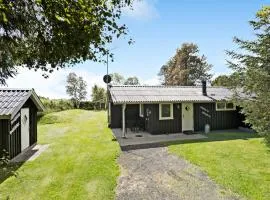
[187, 117]
[25, 128]
[124, 120]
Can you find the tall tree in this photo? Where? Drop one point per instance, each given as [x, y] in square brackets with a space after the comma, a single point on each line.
[7, 68]
[226, 80]
[49, 34]
[252, 65]
[186, 67]
[117, 79]
[76, 88]
[82, 85]
[132, 81]
[98, 95]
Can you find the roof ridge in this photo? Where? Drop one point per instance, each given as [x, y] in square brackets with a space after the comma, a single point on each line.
[18, 89]
[165, 86]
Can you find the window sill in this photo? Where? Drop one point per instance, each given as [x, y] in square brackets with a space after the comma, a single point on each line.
[166, 118]
[225, 109]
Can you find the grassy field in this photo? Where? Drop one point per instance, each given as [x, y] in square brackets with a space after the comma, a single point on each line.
[237, 161]
[79, 164]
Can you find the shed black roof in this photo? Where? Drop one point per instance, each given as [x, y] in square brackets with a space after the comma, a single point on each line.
[12, 100]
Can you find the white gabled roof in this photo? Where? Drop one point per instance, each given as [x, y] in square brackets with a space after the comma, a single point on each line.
[12, 100]
[157, 94]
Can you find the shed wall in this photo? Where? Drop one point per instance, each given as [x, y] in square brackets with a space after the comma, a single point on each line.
[4, 130]
[32, 121]
[116, 116]
[12, 142]
[205, 113]
[15, 138]
[131, 112]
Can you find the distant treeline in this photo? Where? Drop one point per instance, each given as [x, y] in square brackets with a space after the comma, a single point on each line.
[56, 105]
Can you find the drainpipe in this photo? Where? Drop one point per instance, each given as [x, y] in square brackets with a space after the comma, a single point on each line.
[123, 121]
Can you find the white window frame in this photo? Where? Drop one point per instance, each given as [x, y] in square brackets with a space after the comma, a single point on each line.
[224, 109]
[160, 110]
[141, 110]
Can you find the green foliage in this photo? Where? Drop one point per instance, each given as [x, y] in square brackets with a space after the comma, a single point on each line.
[236, 160]
[132, 81]
[6, 67]
[186, 67]
[50, 35]
[98, 94]
[222, 80]
[226, 80]
[80, 162]
[88, 105]
[117, 79]
[55, 105]
[76, 88]
[253, 69]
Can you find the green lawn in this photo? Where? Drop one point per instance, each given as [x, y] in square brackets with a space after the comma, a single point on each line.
[237, 161]
[79, 164]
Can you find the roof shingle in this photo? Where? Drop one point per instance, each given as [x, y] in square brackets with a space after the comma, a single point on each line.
[152, 94]
[12, 99]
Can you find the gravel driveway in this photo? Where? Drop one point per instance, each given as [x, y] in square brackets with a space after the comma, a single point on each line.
[155, 174]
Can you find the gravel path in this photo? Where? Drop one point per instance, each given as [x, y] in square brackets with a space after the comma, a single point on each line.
[155, 174]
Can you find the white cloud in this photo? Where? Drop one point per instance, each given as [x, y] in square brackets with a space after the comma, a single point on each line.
[152, 81]
[141, 9]
[54, 86]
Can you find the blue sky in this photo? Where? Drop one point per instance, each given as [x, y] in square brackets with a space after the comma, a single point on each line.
[158, 28]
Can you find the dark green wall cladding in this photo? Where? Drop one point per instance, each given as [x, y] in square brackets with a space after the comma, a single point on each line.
[132, 113]
[205, 113]
[4, 129]
[156, 126]
[116, 116]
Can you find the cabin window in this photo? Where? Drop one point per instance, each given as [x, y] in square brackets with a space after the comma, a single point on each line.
[229, 106]
[165, 111]
[224, 106]
[141, 110]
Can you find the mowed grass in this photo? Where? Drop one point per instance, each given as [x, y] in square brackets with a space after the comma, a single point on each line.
[237, 161]
[80, 162]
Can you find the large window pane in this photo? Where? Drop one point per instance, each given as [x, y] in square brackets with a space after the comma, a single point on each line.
[229, 106]
[221, 106]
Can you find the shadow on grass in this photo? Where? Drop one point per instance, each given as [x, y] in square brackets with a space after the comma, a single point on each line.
[9, 170]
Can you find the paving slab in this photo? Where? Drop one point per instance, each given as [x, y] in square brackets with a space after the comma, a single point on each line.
[146, 139]
[31, 153]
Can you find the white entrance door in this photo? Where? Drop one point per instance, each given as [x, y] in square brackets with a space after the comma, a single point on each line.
[187, 117]
[24, 128]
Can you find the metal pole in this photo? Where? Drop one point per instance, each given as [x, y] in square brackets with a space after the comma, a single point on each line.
[107, 103]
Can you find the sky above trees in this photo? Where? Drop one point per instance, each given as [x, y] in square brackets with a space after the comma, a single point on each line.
[158, 28]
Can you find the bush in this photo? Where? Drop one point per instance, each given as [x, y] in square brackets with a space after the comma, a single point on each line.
[56, 105]
[88, 105]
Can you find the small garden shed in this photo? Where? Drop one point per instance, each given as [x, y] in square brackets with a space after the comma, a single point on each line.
[18, 120]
